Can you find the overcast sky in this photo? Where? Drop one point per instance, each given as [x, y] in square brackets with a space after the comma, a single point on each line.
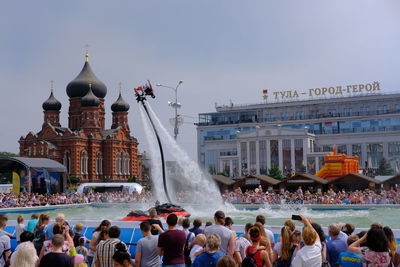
[222, 50]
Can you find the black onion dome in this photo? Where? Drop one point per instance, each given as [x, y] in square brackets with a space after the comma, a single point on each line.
[90, 100]
[51, 104]
[78, 86]
[120, 105]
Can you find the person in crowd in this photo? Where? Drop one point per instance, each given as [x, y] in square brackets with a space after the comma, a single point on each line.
[153, 220]
[227, 246]
[80, 249]
[264, 238]
[171, 243]
[5, 243]
[208, 224]
[198, 247]
[322, 238]
[57, 258]
[179, 224]
[68, 242]
[348, 229]
[104, 225]
[228, 223]
[78, 234]
[335, 245]
[188, 241]
[241, 244]
[105, 250]
[396, 259]
[39, 233]
[32, 223]
[146, 249]
[226, 261]
[25, 253]
[210, 257]
[122, 258]
[310, 254]
[19, 228]
[350, 259]
[284, 250]
[291, 224]
[59, 219]
[392, 241]
[259, 254]
[196, 227]
[375, 251]
[261, 219]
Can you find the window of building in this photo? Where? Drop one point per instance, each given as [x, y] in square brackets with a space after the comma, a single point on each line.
[332, 112]
[67, 160]
[341, 149]
[382, 109]
[274, 153]
[364, 110]
[299, 115]
[269, 117]
[314, 114]
[287, 155]
[263, 157]
[397, 108]
[348, 112]
[356, 148]
[374, 155]
[84, 162]
[212, 161]
[284, 115]
[99, 163]
[253, 153]
[298, 155]
[394, 156]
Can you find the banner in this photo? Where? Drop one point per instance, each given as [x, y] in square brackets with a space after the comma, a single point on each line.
[15, 182]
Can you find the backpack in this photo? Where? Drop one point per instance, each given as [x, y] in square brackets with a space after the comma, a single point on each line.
[249, 260]
[77, 237]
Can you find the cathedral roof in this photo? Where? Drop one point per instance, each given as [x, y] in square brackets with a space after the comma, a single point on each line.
[90, 100]
[51, 104]
[120, 105]
[78, 86]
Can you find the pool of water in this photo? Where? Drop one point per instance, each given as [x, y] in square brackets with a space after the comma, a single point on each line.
[361, 218]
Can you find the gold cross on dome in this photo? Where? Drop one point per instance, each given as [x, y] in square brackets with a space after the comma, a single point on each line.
[87, 52]
[52, 85]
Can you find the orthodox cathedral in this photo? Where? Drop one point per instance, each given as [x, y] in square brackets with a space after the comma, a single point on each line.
[85, 147]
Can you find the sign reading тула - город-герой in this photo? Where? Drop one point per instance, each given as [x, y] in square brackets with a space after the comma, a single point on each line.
[335, 91]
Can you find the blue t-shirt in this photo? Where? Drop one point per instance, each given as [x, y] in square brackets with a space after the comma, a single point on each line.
[31, 225]
[49, 231]
[333, 248]
[350, 259]
[207, 259]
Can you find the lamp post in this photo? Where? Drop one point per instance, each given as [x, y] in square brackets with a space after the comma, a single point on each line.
[175, 105]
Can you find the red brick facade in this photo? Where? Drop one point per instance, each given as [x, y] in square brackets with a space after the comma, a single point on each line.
[85, 147]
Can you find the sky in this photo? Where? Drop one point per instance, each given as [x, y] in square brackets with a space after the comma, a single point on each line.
[222, 50]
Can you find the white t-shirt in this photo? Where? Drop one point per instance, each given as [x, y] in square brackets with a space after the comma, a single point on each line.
[18, 230]
[194, 249]
[308, 256]
[5, 245]
[270, 235]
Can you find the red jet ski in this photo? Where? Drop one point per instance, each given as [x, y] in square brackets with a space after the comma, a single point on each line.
[162, 211]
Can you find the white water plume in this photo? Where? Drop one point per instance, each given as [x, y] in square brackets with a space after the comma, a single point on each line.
[155, 159]
[194, 182]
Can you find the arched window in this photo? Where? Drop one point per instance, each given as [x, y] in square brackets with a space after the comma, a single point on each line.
[99, 163]
[67, 161]
[121, 163]
[117, 164]
[84, 162]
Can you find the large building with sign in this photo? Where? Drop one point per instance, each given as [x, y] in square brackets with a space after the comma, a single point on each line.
[294, 135]
[87, 149]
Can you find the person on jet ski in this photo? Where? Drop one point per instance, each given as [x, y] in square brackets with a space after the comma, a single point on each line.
[153, 220]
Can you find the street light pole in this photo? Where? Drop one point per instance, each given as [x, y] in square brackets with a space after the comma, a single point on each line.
[174, 105]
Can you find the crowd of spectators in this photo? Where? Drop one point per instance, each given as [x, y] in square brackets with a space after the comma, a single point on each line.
[258, 196]
[183, 244]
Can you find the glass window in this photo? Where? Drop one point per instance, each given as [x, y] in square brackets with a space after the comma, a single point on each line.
[311, 165]
[263, 157]
[243, 157]
[298, 155]
[299, 115]
[212, 161]
[394, 156]
[253, 152]
[332, 112]
[382, 109]
[274, 153]
[356, 148]
[374, 155]
[341, 149]
[364, 110]
[287, 155]
[348, 111]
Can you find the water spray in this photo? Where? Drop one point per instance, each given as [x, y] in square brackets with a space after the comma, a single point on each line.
[141, 92]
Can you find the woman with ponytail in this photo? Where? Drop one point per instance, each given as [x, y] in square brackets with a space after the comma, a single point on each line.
[121, 257]
[258, 253]
[283, 250]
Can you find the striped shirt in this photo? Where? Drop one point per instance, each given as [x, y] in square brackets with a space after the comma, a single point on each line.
[105, 251]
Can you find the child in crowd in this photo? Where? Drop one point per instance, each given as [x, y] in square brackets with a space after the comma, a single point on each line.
[19, 228]
[78, 234]
[32, 223]
[80, 249]
[198, 247]
[350, 259]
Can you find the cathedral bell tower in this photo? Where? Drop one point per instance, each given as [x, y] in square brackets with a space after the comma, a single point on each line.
[51, 110]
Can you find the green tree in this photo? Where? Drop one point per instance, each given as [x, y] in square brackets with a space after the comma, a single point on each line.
[384, 167]
[275, 173]
[132, 179]
[8, 154]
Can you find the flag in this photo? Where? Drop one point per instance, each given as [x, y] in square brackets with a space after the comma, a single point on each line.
[16, 182]
[265, 91]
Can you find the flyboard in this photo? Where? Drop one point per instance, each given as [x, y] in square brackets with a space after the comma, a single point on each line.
[165, 209]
